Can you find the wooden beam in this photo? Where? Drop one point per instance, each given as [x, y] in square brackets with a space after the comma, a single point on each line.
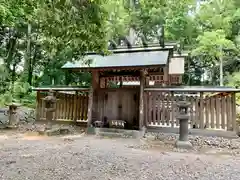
[165, 75]
[234, 114]
[120, 73]
[95, 79]
[141, 100]
[156, 73]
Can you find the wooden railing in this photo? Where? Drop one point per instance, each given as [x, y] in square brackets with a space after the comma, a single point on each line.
[206, 111]
[70, 106]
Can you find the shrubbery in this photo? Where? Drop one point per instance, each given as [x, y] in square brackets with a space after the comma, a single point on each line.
[19, 92]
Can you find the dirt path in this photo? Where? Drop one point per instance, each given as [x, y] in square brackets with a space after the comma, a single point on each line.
[76, 158]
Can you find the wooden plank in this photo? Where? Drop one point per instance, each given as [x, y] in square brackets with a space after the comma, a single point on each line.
[192, 101]
[146, 108]
[43, 115]
[60, 106]
[159, 109]
[64, 106]
[141, 100]
[150, 120]
[154, 108]
[223, 112]
[165, 76]
[212, 109]
[167, 108]
[38, 113]
[80, 107]
[163, 109]
[55, 114]
[207, 111]
[86, 106]
[218, 110]
[196, 122]
[176, 110]
[201, 112]
[83, 107]
[75, 106]
[172, 109]
[70, 107]
[68, 103]
[228, 109]
[234, 114]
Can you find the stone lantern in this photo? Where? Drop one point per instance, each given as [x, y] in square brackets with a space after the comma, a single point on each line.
[183, 118]
[50, 107]
[12, 114]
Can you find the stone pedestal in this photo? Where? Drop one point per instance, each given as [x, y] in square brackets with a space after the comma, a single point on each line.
[183, 145]
[183, 118]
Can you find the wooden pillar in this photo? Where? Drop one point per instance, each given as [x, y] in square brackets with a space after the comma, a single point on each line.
[75, 103]
[93, 88]
[234, 115]
[141, 100]
[165, 75]
[147, 80]
[201, 111]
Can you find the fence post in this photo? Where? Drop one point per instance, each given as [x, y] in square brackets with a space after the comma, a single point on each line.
[183, 118]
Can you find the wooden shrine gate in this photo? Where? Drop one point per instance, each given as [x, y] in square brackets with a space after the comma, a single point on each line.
[212, 112]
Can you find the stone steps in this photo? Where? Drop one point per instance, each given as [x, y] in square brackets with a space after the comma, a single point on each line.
[111, 132]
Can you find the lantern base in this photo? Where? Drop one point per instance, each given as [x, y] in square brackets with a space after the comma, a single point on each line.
[183, 145]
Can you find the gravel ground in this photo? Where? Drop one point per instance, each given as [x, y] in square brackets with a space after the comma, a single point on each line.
[199, 141]
[88, 157]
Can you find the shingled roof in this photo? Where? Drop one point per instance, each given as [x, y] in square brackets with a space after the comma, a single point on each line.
[121, 58]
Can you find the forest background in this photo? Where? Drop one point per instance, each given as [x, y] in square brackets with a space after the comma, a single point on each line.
[38, 36]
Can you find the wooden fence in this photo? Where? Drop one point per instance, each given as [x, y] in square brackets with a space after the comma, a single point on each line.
[214, 112]
[70, 106]
[160, 108]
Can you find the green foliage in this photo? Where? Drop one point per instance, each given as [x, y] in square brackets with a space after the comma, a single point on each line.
[41, 35]
[5, 98]
[78, 26]
[119, 18]
[20, 89]
[3, 78]
[211, 46]
[18, 92]
[234, 80]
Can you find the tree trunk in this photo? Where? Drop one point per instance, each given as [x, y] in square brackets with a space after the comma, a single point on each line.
[27, 59]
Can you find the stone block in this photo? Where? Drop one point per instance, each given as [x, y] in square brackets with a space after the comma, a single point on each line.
[183, 145]
[91, 130]
[54, 131]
